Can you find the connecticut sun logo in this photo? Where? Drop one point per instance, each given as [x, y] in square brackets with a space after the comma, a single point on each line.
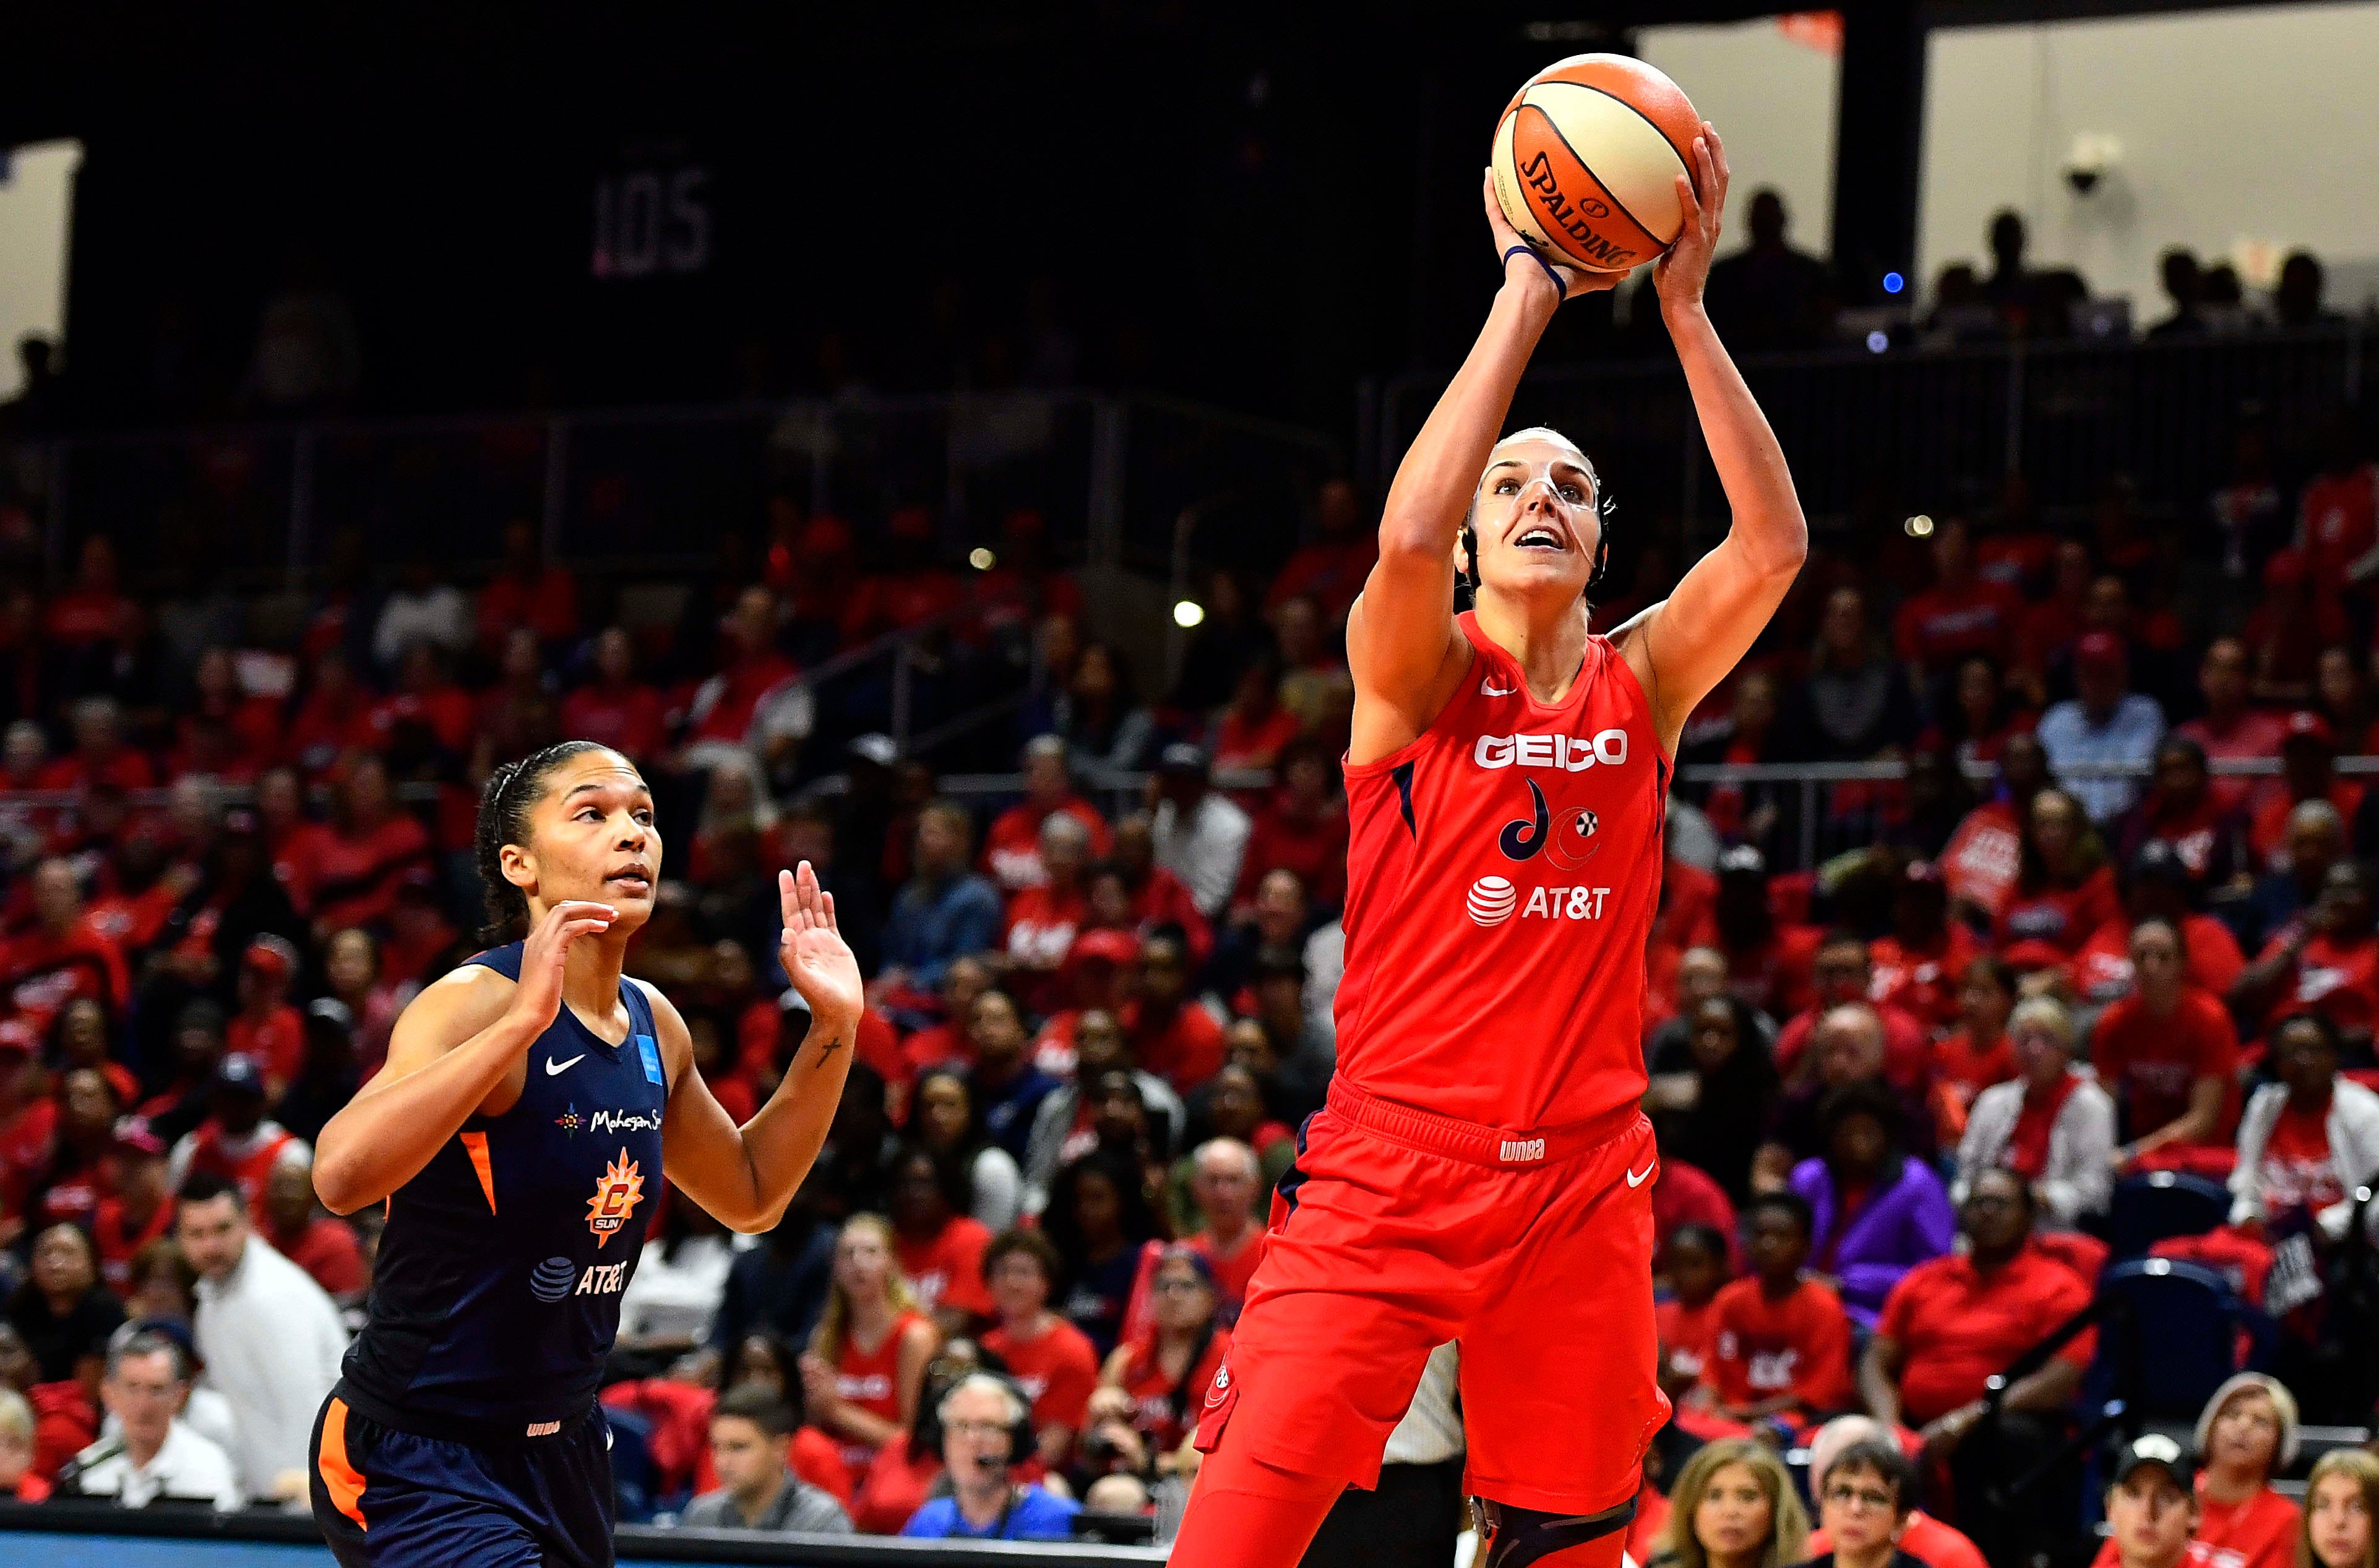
[617, 1192]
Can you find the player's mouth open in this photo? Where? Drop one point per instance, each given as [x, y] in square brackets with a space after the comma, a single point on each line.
[635, 879]
[1541, 537]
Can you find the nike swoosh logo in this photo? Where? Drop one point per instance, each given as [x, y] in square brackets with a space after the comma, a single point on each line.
[1637, 1178]
[1486, 690]
[553, 1067]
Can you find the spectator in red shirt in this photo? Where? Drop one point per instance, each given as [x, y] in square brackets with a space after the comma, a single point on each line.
[1960, 614]
[93, 611]
[2308, 772]
[1844, 973]
[251, 724]
[2329, 963]
[1915, 968]
[318, 1242]
[1330, 568]
[334, 719]
[2160, 889]
[2296, 617]
[140, 1209]
[517, 715]
[1958, 1320]
[2305, 1142]
[351, 966]
[945, 1123]
[100, 755]
[62, 956]
[1685, 1195]
[2183, 812]
[236, 1142]
[936, 1242]
[1171, 1036]
[1050, 1358]
[2167, 1052]
[2152, 1511]
[2229, 730]
[755, 701]
[1783, 1346]
[1253, 728]
[1152, 895]
[1301, 828]
[528, 591]
[2338, 512]
[364, 855]
[2064, 889]
[615, 709]
[2247, 1434]
[1223, 1187]
[427, 717]
[915, 588]
[1769, 963]
[1975, 1055]
[1695, 1258]
[1011, 854]
[267, 1028]
[1156, 1379]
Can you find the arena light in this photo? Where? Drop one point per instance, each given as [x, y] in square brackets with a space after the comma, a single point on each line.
[1189, 613]
[1877, 341]
[1918, 527]
[1893, 283]
[981, 559]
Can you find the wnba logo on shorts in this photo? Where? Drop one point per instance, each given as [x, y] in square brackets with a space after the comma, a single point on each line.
[1492, 899]
[1520, 1150]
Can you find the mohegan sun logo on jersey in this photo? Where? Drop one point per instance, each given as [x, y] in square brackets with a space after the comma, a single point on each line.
[617, 1192]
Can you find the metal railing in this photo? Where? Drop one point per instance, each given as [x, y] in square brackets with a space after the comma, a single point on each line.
[651, 489]
[1916, 429]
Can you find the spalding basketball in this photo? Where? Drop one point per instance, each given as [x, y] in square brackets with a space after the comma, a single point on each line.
[1587, 158]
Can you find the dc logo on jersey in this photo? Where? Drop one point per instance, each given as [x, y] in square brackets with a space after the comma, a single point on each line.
[1492, 899]
[617, 1192]
[552, 1280]
[1569, 837]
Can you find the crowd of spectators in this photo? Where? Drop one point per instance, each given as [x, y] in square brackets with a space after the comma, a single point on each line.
[1897, 1091]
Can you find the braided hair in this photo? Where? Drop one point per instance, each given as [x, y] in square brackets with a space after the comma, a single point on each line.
[510, 793]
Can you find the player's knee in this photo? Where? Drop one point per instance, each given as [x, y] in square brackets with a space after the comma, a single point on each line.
[1528, 1537]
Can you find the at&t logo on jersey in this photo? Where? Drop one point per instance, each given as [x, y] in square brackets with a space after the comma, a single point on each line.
[1566, 752]
[603, 1279]
[617, 1192]
[558, 1279]
[1492, 899]
[551, 1280]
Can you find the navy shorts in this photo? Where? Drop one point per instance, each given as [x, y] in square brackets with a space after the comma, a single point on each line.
[389, 1499]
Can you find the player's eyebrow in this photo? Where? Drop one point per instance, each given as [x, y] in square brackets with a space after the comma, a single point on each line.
[599, 786]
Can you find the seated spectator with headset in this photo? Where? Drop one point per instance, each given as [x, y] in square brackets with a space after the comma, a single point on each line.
[986, 1431]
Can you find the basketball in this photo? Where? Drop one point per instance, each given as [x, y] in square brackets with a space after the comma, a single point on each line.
[1587, 157]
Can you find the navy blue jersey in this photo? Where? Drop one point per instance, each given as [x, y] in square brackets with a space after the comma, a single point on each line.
[496, 1295]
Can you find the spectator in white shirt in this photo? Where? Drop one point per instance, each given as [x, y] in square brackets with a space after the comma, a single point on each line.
[1201, 836]
[420, 608]
[681, 1277]
[155, 1453]
[270, 1338]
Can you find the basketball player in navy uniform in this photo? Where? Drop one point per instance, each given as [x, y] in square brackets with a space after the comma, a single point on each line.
[532, 1102]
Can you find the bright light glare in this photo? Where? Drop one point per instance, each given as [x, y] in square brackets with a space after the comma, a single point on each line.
[981, 559]
[1876, 342]
[1893, 283]
[1918, 527]
[1189, 613]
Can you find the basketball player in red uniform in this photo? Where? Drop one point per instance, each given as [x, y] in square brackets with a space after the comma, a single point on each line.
[1482, 1171]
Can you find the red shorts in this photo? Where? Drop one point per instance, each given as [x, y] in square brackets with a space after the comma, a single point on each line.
[1397, 1230]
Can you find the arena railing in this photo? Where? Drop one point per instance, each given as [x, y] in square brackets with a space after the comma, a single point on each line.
[649, 489]
[86, 1534]
[1875, 434]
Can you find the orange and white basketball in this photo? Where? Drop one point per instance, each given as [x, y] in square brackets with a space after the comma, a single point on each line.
[1587, 158]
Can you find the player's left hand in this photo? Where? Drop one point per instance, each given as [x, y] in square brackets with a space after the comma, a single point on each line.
[1681, 273]
[816, 959]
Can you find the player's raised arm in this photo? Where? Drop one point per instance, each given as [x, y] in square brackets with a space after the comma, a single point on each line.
[452, 1047]
[1686, 645]
[746, 1176]
[1400, 635]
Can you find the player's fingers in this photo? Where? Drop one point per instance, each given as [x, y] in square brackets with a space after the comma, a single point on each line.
[1718, 151]
[786, 902]
[1689, 205]
[831, 923]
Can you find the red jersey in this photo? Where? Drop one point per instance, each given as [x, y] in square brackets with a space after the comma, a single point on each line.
[2062, 917]
[2297, 1171]
[246, 1163]
[1689, 1334]
[1012, 850]
[2102, 969]
[2340, 979]
[2148, 1063]
[1922, 981]
[325, 1247]
[1159, 1402]
[1800, 1346]
[1058, 1369]
[2252, 734]
[2268, 830]
[277, 1041]
[2337, 524]
[41, 973]
[948, 1270]
[2261, 1530]
[118, 1240]
[353, 881]
[1502, 875]
[1185, 1049]
[872, 1382]
[1940, 626]
[1956, 1326]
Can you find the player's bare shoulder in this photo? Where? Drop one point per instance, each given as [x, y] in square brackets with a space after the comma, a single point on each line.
[1391, 714]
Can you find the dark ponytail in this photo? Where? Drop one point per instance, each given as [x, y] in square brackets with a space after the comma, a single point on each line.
[510, 793]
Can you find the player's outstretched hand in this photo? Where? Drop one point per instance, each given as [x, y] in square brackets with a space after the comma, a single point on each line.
[1681, 274]
[1575, 281]
[537, 999]
[817, 959]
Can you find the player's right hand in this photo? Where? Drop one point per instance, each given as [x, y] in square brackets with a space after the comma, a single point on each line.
[537, 999]
[1575, 281]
